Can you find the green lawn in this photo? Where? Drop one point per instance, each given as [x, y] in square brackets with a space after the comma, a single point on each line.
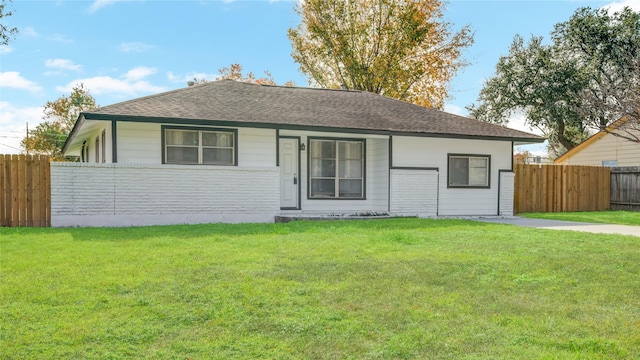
[372, 289]
[607, 217]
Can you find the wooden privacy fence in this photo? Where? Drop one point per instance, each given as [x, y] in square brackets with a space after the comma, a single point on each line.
[625, 188]
[560, 188]
[25, 190]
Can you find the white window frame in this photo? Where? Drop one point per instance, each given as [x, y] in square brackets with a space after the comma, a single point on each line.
[336, 177]
[200, 146]
[486, 184]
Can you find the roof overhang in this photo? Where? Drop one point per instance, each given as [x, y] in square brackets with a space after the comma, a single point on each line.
[79, 134]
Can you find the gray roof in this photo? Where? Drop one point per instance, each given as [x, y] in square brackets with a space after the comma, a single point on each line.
[229, 101]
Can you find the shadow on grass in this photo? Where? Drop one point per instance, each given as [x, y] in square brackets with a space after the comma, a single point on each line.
[233, 230]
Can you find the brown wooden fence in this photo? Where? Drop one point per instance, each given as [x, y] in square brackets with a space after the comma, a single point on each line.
[559, 188]
[25, 197]
[625, 188]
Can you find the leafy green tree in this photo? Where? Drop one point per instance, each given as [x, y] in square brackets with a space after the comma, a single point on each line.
[6, 32]
[586, 79]
[398, 48]
[60, 116]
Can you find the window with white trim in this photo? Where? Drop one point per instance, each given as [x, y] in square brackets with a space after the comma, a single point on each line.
[336, 169]
[469, 171]
[199, 146]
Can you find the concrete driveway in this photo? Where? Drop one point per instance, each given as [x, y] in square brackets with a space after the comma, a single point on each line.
[563, 225]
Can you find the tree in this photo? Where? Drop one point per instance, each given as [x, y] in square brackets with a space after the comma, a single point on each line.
[60, 117]
[234, 72]
[6, 32]
[398, 48]
[586, 79]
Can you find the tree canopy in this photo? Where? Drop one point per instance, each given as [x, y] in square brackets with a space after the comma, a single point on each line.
[587, 78]
[60, 116]
[398, 48]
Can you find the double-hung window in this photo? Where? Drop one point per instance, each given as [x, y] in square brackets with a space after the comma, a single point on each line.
[199, 146]
[336, 169]
[469, 171]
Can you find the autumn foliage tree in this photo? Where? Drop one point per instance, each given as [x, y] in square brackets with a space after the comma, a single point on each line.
[398, 48]
[60, 116]
[234, 72]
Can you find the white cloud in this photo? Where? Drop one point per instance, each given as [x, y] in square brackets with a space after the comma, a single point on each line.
[129, 84]
[29, 31]
[190, 76]
[59, 38]
[617, 6]
[63, 64]
[99, 4]
[134, 47]
[12, 79]
[13, 122]
[518, 121]
[455, 109]
[139, 73]
[5, 49]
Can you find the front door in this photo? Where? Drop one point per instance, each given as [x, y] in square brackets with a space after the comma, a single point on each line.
[289, 172]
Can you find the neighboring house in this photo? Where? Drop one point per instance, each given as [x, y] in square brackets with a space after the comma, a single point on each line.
[605, 149]
[228, 151]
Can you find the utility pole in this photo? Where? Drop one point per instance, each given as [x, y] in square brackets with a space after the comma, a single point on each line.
[27, 142]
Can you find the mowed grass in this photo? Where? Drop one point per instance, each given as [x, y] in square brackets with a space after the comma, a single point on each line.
[606, 217]
[372, 289]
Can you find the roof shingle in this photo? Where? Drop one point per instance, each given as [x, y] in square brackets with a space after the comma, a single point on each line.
[232, 101]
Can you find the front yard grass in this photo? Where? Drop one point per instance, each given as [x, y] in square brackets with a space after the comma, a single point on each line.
[372, 289]
[606, 217]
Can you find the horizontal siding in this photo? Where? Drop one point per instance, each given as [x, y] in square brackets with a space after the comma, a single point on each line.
[256, 147]
[414, 192]
[432, 153]
[89, 190]
[507, 193]
[607, 147]
[139, 143]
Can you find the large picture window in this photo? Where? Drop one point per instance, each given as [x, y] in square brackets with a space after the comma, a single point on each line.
[199, 146]
[336, 169]
[469, 171]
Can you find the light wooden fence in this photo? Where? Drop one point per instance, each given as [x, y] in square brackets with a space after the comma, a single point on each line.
[25, 190]
[560, 188]
[625, 188]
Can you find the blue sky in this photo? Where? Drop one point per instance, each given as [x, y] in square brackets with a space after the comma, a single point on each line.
[126, 49]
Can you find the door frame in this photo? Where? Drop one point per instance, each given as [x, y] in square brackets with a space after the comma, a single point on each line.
[298, 151]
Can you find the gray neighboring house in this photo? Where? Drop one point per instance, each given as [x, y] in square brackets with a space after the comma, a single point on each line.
[228, 151]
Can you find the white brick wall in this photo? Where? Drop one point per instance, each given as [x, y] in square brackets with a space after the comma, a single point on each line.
[507, 192]
[414, 192]
[134, 194]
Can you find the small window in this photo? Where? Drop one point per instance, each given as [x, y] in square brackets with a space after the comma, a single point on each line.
[469, 171]
[199, 146]
[610, 163]
[336, 169]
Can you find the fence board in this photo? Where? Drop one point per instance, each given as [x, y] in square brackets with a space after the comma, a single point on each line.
[625, 188]
[560, 188]
[25, 190]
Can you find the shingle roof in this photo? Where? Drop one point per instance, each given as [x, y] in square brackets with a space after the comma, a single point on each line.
[232, 101]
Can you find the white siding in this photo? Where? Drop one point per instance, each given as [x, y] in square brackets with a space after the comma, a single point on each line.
[256, 147]
[377, 177]
[414, 192]
[507, 193]
[432, 153]
[607, 147]
[141, 143]
[123, 195]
